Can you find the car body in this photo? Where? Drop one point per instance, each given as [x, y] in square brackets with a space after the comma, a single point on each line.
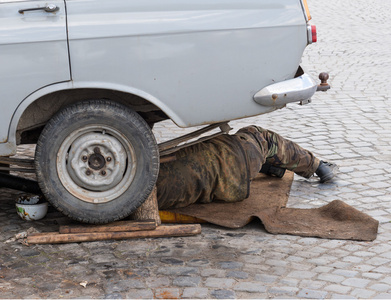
[195, 62]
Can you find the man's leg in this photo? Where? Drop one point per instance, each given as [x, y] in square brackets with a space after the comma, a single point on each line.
[286, 154]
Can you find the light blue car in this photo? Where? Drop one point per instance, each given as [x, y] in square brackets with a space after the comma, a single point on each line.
[87, 79]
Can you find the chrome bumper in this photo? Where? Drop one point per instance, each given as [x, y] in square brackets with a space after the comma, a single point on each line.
[301, 89]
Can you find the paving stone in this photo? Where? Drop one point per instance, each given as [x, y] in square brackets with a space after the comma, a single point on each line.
[172, 261]
[311, 294]
[295, 259]
[195, 293]
[353, 259]
[312, 284]
[386, 280]
[277, 263]
[230, 265]
[383, 296]
[377, 261]
[345, 273]
[372, 275]
[154, 282]
[356, 282]
[250, 287]
[187, 281]
[265, 278]
[198, 262]
[380, 287]
[300, 266]
[177, 271]
[213, 273]
[341, 296]
[167, 293]
[383, 269]
[362, 293]
[223, 294]
[301, 274]
[322, 269]
[219, 283]
[336, 288]
[238, 274]
[322, 261]
[139, 294]
[284, 290]
[289, 282]
[113, 296]
[123, 285]
[363, 268]
[103, 258]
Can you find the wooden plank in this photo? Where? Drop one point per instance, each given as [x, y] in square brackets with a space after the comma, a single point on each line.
[112, 227]
[160, 231]
[17, 161]
[42, 233]
[22, 170]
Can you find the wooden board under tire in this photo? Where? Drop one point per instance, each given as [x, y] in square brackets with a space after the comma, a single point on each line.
[161, 231]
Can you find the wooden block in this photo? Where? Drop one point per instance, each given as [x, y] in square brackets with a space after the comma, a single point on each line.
[149, 210]
[112, 227]
[160, 231]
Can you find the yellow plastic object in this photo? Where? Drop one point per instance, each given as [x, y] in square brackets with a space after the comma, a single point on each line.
[170, 217]
[307, 11]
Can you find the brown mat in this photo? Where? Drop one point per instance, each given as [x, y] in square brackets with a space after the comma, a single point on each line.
[266, 192]
[336, 220]
[267, 201]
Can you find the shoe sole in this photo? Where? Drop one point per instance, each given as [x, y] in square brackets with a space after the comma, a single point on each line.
[330, 176]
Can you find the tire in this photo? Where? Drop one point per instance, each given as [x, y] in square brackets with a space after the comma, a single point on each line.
[97, 161]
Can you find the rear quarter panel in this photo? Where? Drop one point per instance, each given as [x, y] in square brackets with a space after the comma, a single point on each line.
[199, 61]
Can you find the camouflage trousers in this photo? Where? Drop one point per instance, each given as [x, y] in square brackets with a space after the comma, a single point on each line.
[222, 168]
[270, 147]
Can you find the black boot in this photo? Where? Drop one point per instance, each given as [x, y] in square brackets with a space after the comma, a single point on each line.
[271, 170]
[326, 171]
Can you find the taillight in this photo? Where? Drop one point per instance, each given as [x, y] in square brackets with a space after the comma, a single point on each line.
[311, 34]
[307, 11]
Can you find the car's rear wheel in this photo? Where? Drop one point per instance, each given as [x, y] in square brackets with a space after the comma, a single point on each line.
[97, 161]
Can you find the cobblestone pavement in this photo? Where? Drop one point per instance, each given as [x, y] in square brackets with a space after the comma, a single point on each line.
[349, 125]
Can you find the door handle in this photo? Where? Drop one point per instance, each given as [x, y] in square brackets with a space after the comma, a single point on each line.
[47, 8]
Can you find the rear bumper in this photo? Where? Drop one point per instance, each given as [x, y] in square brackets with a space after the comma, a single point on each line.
[301, 89]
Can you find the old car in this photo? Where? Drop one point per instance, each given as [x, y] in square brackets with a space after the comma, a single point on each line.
[86, 80]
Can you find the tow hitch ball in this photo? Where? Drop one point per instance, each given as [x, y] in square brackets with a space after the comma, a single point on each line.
[323, 86]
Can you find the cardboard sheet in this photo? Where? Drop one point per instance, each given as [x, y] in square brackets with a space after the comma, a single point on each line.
[268, 200]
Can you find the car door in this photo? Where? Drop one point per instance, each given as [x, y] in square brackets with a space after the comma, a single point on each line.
[33, 52]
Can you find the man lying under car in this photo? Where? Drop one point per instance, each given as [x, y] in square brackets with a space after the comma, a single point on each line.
[223, 167]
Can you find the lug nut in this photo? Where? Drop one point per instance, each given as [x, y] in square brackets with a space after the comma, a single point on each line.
[103, 173]
[96, 150]
[108, 159]
[88, 172]
[84, 158]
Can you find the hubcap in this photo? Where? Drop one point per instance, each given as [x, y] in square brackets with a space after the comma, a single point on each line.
[96, 161]
[96, 164]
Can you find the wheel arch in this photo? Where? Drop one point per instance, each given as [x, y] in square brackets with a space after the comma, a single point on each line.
[34, 112]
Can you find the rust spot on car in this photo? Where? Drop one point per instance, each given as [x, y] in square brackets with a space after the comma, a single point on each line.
[274, 97]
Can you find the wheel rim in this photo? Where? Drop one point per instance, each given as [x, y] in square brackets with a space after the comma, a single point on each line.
[96, 163]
